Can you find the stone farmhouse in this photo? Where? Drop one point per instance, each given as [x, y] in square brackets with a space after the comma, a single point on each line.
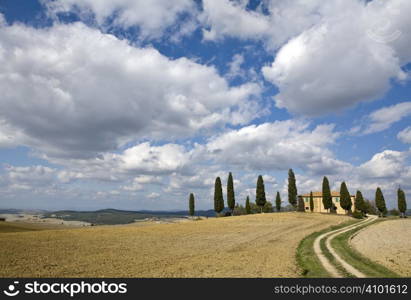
[318, 202]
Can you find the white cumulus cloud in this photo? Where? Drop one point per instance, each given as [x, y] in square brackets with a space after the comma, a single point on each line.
[151, 17]
[405, 135]
[278, 145]
[383, 118]
[338, 62]
[72, 91]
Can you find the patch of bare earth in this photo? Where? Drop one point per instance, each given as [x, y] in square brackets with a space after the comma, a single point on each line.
[244, 246]
[387, 243]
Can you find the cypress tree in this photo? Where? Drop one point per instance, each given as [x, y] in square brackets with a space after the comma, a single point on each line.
[278, 201]
[292, 188]
[311, 202]
[345, 199]
[230, 193]
[260, 193]
[402, 203]
[380, 202]
[301, 205]
[218, 196]
[327, 199]
[247, 206]
[191, 204]
[360, 204]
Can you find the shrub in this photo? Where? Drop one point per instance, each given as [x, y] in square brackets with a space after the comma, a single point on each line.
[394, 212]
[370, 207]
[357, 214]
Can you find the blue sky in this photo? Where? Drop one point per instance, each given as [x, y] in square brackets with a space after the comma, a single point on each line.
[127, 105]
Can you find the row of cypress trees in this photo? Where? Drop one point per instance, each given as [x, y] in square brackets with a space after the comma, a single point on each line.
[345, 198]
[260, 198]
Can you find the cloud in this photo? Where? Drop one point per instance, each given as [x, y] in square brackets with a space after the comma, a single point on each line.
[387, 164]
[405, 135]
[72, 91]
[235, 69]
[317, 50]
[383, 118]
[314, 70]
[269, 22]
[8, 137]
[229, 18]
[138, 183]
[152, 159]
[152, 18]
[153, 195]
[387, 170]
[29, 178]
[321, 46]
[142, 163]
[278, 145]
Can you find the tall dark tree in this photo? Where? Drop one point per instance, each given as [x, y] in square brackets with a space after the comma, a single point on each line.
[260, 193]
[292, 188]
[230, 193]
[247, 206]
[380, 202]
[218, 196]
[345, 198]
[278, 201]
[191, 204]
[327, 199]
[301, 205]
[402, 203]
[359, 203]
[311, 202]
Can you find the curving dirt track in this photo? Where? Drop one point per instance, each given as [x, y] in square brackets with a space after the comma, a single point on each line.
[387, 243]
[328, 236]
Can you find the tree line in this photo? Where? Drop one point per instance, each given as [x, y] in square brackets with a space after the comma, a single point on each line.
[362, 206]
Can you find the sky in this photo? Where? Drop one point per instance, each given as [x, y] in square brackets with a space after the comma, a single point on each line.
[134, 104]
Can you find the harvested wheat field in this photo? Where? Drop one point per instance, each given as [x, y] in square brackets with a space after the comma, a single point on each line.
[244, 246]
[387, 243]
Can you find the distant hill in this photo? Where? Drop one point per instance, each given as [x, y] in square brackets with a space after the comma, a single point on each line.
[114, 216]
[21, 211]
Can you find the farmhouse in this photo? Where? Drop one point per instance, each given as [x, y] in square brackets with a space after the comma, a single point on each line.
[318, 202]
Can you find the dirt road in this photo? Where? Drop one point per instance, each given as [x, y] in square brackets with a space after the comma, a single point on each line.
[328, 236]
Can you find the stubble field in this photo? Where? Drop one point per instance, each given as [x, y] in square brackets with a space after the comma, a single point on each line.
[387, 243]
[244, 246]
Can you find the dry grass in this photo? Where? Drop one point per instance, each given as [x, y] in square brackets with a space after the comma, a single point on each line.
[244, 246]
[387, 243]
[7, 227]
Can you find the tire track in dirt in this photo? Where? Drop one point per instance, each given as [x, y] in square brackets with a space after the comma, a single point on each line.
[329, 267]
